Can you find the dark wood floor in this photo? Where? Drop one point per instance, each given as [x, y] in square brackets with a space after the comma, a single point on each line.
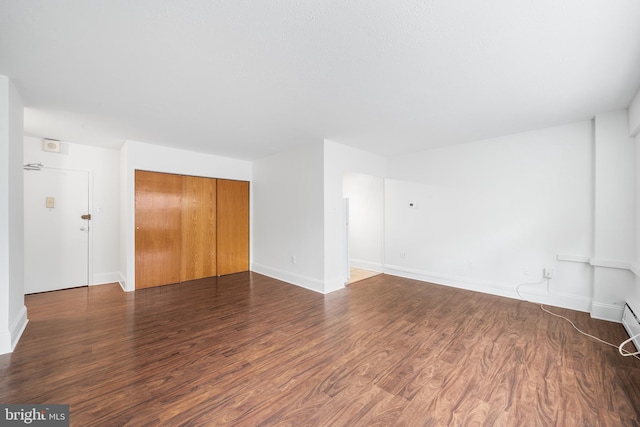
[246, 350]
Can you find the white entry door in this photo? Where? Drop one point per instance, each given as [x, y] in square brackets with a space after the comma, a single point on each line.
[56, 236]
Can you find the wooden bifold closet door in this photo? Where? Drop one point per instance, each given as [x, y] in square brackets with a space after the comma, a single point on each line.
[189, 228]
[158, 199]
[198, 228]
[233, 226]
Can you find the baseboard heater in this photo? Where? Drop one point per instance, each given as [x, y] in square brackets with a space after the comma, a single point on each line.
[630, 321]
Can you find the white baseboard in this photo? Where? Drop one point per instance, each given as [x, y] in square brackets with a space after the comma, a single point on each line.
[467, 283]
[367, 265]
[122, 281]
[5, 342]
[610, 312]
[9, 339]
[105, 278]
[534, 293]
[539, 295]
[289, 277]
[334, 285]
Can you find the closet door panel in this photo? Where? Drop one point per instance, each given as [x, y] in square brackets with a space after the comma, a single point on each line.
[233, 226]
[198, 228]
[158, 234]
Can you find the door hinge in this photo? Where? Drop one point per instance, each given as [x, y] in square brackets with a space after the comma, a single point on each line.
[87, 216]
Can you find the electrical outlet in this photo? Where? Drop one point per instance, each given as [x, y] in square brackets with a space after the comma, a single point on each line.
[548, 273]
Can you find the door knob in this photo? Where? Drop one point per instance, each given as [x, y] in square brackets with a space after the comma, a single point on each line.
[83, 228]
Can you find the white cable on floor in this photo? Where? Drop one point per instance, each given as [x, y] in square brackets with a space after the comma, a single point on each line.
[620, 348]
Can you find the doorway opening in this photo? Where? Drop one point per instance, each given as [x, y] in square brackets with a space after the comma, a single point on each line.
[365, 225]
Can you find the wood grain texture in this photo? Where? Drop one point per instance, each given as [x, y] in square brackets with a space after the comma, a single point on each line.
[357, 274]
[198, 228]
[233, 226]
[158, 211]
[247, 350]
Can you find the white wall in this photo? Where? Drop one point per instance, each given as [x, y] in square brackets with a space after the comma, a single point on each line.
[288, 219]
[614, 186]
[634, 115]
[614, 208]
[126, 211]
[635, 267]
[103, 167]
[634, 131]
[492, 214]
[142, 156]
[339, 160]
[17, 309]
[366, 220]
[299, 212]
[13, 313]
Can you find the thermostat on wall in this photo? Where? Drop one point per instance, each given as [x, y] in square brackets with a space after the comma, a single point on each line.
[52, 145]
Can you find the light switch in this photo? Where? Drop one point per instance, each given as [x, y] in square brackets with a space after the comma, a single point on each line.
[50, 202]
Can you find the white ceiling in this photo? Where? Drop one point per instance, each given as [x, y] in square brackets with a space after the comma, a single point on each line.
[247, 78]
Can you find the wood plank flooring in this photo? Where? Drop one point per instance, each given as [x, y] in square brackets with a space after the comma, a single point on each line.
[247, 350]
[358, 274]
